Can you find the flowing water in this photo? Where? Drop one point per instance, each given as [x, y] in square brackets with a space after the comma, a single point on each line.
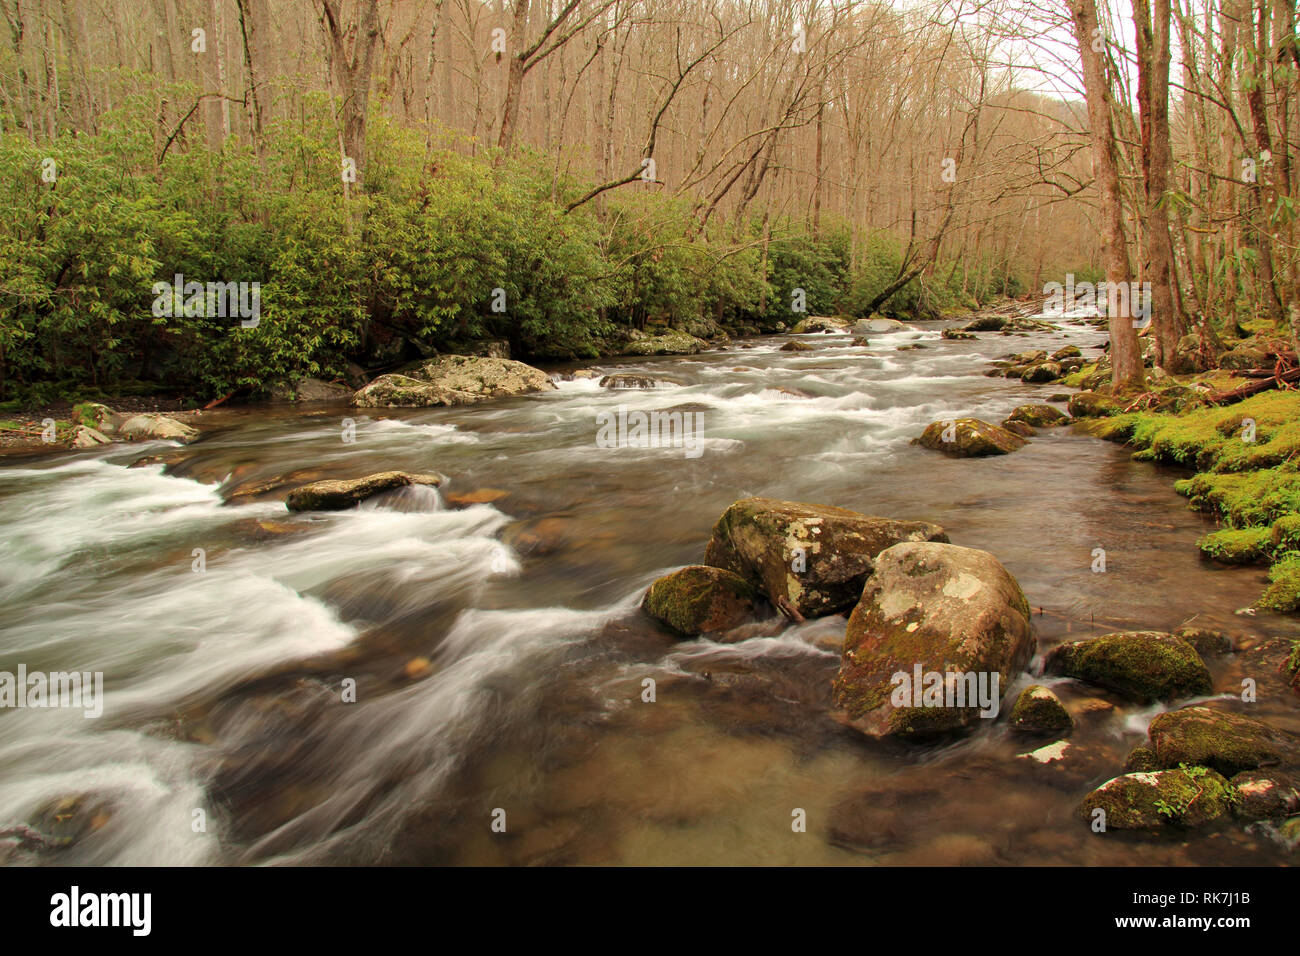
[498, 654]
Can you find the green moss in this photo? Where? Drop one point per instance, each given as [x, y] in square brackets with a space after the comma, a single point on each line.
[1238, 546]
[1143, 665]
[1283, 591]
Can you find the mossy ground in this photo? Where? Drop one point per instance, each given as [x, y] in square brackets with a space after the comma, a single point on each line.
[1247, 461]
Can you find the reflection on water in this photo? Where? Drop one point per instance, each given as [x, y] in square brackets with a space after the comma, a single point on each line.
[497, 654]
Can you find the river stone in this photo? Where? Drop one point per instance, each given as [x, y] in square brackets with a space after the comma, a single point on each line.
[1088, 404]
[866, 326]
[87, 437]
[1185, 797]
[1262, 794]
[672, 342]
[625, 381]
[1228, 742]
[1042, 372]
[956, 334]
[1038, 711]
[1208, 643]
[969, 438]
[987, 323]
[99, 417]
[820, 323]
[151, 427]
[1068, 351]
[453, 380]
[796, 347]
[1142, 760]
[700, 600]
[1040, 416]
[807, 558]
[1142, 665]
[344, 493]
[310, 390]
[939, 607]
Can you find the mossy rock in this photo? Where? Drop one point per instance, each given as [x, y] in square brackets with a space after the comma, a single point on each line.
[1189, 796]
[957, 334]
[1283, 591]
[1237, 545]
[1038, 415]
[701, 600]
[1284, 535]
[969, 438]
[669, 343]
[1141, 665]
[1039, 711]
[337, 495]
[1042, 372]
[1068, 351]
[793, 346]
[453, 380]
[1020, 428]
[1225, 741]
[1207, 642]
[808, 559]
[1141, 760]
[1089, 404]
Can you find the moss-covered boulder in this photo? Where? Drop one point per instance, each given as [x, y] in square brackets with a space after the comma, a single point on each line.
[1065, 352]
[930, 608]
[340, 494]
[969, 438]
[957, 334]
[1042, 372]
[700, 600]
[1141, 760]
[1141, 665]
[1189, 796]
[1228, 742]
[154, 427]
[1089, 404]
[671, 342]
[453, 380]
[795, 346]
[808, 559]
[1038, 711]
[623, 380]
[1207, 642]
[1038, 415]
[1266, 794]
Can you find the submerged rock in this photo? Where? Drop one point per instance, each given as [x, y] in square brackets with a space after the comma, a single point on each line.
[453, 380]
[969, 438]
[339, 494]
[154, 427]
[932, 608]
[1227, 742]
[1038, 415]
[1265, 794]
[1187, 797]
[1039, 711]
[808, 559]
[1142, 665]
[700, 599]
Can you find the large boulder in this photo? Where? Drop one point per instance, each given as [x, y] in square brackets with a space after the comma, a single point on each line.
[808, 559]
[700, 600]
[867, 326]
[1186, 797]
[310, 390]
[930, 608]
[335, 495]
[1142, 665]
[154, 427]
[1227, 742]
[453, 380]
[820, 323]
[669, 343]
[86, 437]
[969, 438]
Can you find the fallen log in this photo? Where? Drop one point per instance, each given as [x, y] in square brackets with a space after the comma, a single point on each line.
[1280, 380]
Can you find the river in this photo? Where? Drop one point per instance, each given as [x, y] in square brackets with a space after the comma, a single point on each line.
[497, 651]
